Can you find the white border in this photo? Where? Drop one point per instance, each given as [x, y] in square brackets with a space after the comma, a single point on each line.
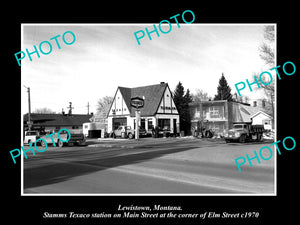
[147, 194]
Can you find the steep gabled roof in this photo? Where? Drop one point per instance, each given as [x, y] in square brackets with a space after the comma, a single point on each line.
[126, 93]
[261, 112]
[152, 95]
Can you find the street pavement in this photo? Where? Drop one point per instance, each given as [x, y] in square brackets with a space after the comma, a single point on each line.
[149, 166]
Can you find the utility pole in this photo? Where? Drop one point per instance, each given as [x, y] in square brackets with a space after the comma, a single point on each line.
[29, 108]
[70, 108]
[88, 107]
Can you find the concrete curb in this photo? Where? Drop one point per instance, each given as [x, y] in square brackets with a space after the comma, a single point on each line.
[112, 146]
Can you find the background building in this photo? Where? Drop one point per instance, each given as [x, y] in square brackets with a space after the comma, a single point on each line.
[96, 128]
[47, 121]
[263, 118]
[221, 114]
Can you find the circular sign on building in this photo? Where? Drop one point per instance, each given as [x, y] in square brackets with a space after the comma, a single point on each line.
[137, 102]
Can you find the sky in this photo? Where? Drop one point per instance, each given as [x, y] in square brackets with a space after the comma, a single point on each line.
[105, 56]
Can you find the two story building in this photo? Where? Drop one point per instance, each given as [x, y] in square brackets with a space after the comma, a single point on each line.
[220, 115]
[159, 108]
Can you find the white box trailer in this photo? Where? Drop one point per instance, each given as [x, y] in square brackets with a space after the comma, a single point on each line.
[94, 129]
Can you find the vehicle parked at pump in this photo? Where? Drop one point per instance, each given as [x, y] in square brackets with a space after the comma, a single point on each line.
[243, 132]
[127, 131]
[163, 132]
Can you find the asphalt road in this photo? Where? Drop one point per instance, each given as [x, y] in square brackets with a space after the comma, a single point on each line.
[150, 166]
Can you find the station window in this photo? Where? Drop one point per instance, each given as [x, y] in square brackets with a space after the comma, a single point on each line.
[150, 123]
[143, 123]
[164, 124]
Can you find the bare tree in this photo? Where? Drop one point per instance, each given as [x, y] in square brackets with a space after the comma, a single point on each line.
[44, 110]
[200, 96]
[267, 49]
[242, 98]
[103, 106]
[267, 54]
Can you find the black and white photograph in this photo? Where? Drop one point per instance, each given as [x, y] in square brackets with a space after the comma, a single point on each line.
[149, 116]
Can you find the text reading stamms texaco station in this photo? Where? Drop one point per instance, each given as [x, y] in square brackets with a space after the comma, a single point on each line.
[141, 34]
[45, 47]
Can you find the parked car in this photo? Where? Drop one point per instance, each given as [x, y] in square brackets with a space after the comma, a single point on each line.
[164, 132]
[127, 131]
[31, 137]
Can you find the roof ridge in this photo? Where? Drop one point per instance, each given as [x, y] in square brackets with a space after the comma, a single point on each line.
[123, 87]
[160, 84]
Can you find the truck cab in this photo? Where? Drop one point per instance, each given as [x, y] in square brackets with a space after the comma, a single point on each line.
[122, 130]
[31, 137]
[242, 128]
[76, 137]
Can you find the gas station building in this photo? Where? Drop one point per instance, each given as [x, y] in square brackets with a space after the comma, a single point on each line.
[159, 108]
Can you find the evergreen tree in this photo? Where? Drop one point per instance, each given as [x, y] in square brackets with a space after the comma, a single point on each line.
[223, 90]
[179, 96]
[182, 101]
[188, 97]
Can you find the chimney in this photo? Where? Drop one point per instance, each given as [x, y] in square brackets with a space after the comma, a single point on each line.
[263, 103]
[162, 83]
[254, 103]
[62, 111]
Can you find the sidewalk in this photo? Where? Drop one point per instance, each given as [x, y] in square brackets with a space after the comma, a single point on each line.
[148, 142]
[129, 143]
